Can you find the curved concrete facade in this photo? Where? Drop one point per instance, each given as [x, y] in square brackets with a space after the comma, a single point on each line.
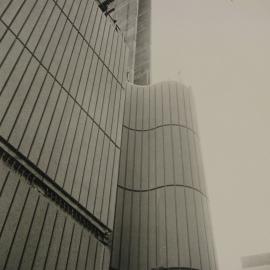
[162, 217]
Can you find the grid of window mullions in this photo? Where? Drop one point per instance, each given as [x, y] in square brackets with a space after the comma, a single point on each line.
[60, 106]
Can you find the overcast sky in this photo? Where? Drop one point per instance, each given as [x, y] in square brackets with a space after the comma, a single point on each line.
[221, 48]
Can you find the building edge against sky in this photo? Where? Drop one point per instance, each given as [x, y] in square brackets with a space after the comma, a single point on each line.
[63, 91]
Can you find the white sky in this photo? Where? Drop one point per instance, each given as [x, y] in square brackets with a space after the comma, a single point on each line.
[221, 48]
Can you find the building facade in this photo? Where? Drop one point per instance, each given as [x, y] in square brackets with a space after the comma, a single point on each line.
[62, 90]
[95, 172]
[256, 262]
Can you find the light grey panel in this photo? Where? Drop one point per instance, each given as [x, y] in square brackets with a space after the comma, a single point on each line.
[171, 229]
[51, 133]
[33, 238]
[111, 108]
[152, 116]
[81, 162]
[23, 12]
[120, 117]
[118, 228]
[193, 230]
[82, 25]
[168, 156]
[45, 238]
[130, 160]
[153, 233]
[187, 107]
[12, 221]
[26, 111]
[161, 229]
[95, 90]
[7, 39]
[186, 157]
[7, 196]
[166, 103]
[127, 106]
[152, 159]
[74, 155]
[100, 36]
[123, 157]
[90, 264]
[82, 11]
[143, 233]
[23, 231]
[95, 172]
[177, 156]
[182, 228]
[104, 45]
[71, 70]
[66, 57]
[146, 108]
[43, 124]
[200, 166]
[134, 232]
[101, 93]
[209, 234]
[126, 225]
[76, 80]
[113, 51]
[17, 101]
[158, 105]
[63, 255]
[96, 29]
[74, 248]
[137, 161]
[55, 244]
[91, 23]
[60, 139]
[38, 28]
[109, 46]
[9, 79]
[36, 116]
[116, 67]
[202, 232]
[81, 94]
[66, 150]
[133, 107]
[50, 47]
[88, 166]
[113, 189]
[107, 193]
[181, 104]
[159, 157]
[99, 195]
[82, 256]
[173, 103]
[90, 82]
[145, 161]
[140, 106]
[106, 101]
[193, 160]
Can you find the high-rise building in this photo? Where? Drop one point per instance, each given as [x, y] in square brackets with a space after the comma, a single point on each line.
[95, 172]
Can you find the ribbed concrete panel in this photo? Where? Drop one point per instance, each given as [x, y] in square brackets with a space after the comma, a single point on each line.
[63, 68]
[37, 233]
[162, 217]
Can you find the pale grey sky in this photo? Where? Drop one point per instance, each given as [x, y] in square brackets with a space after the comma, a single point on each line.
[221, 48]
